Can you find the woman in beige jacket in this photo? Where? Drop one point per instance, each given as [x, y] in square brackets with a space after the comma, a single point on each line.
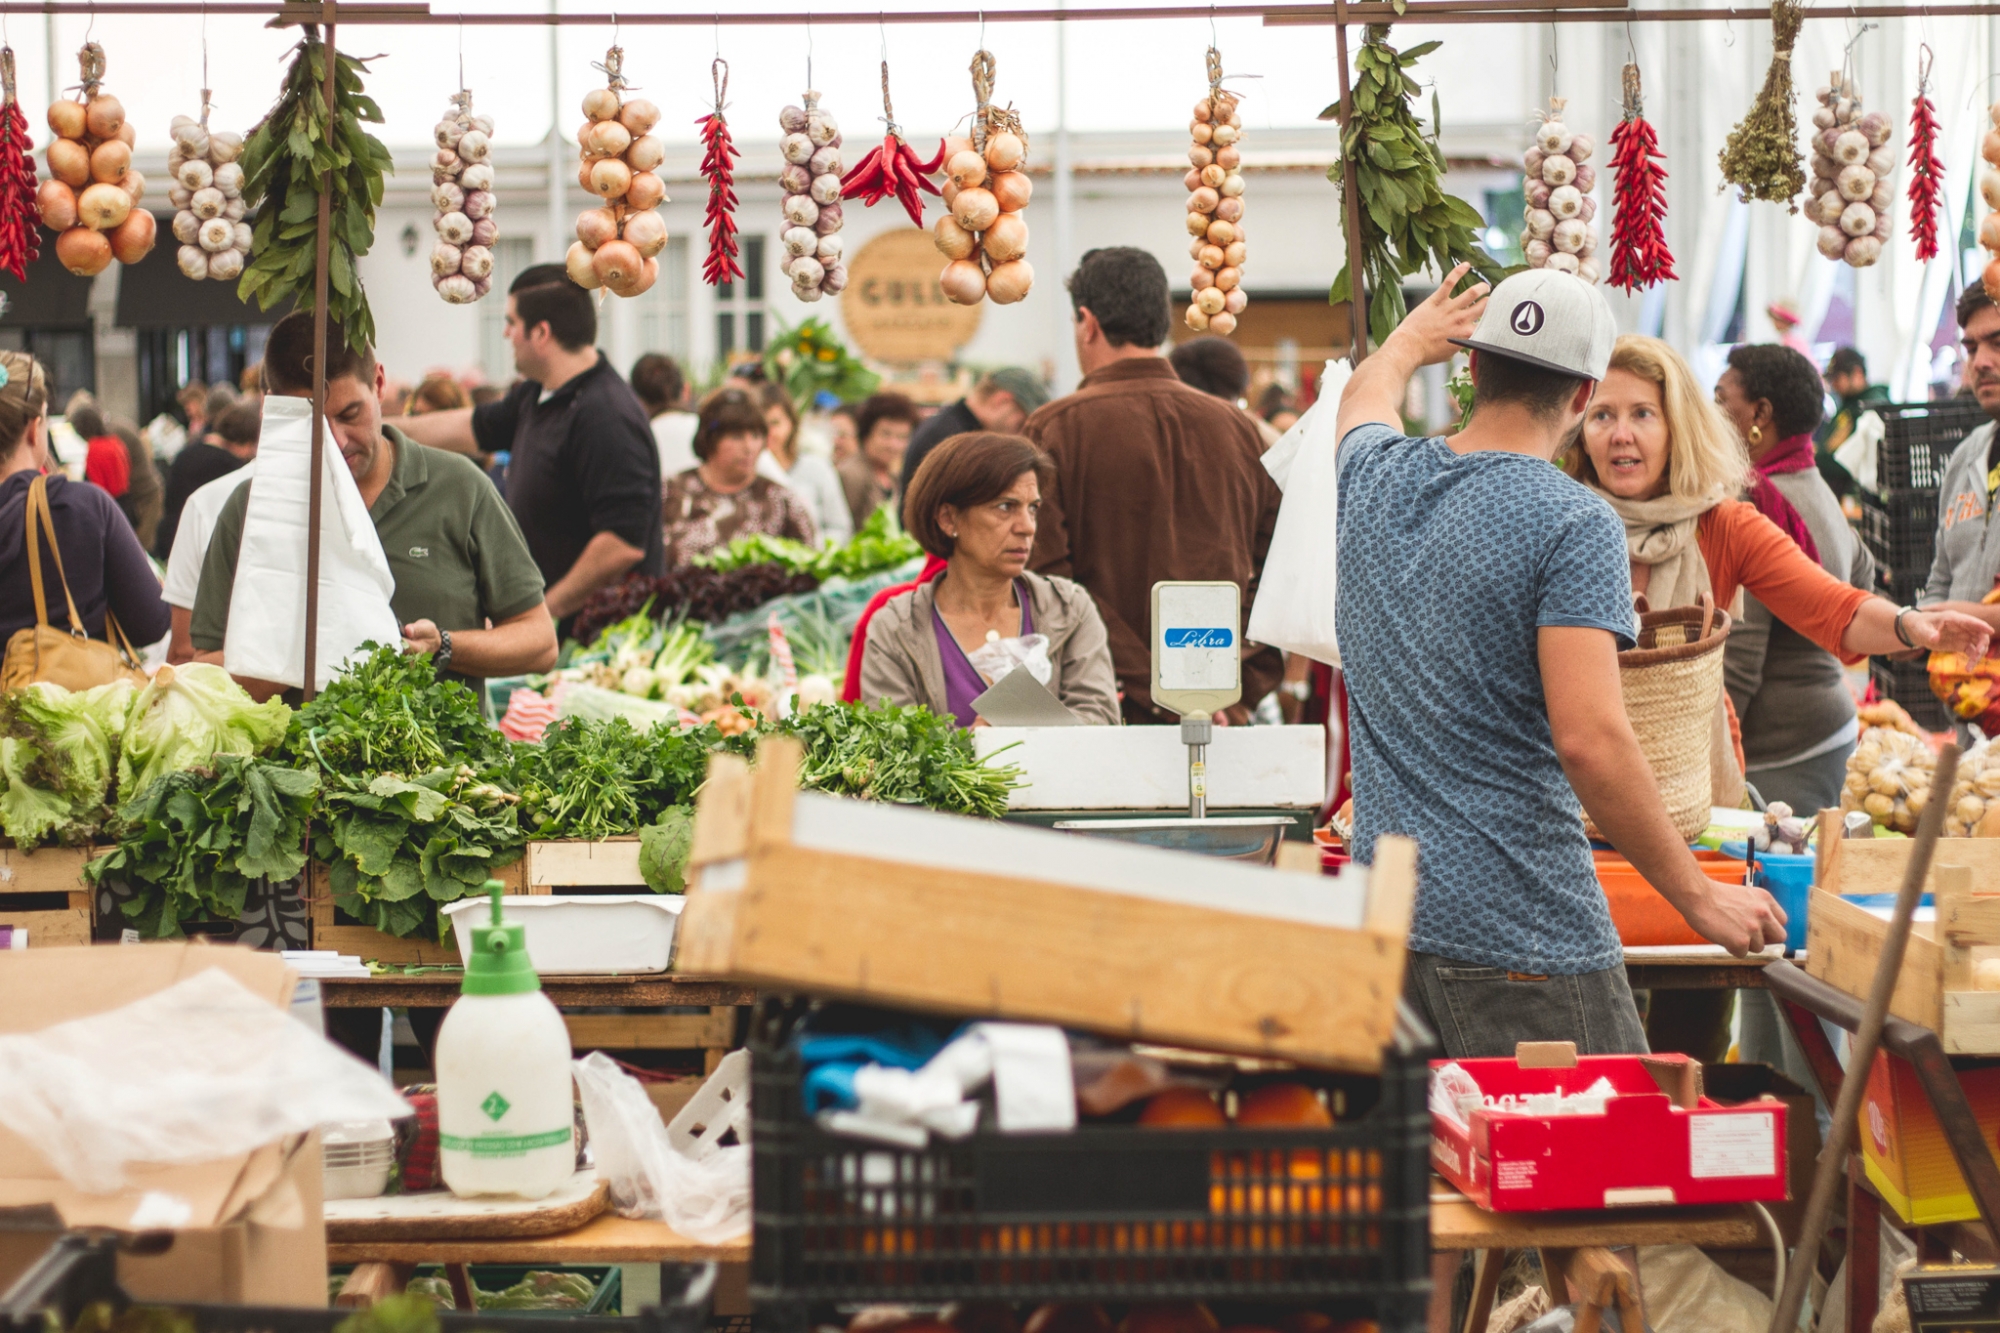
[973, 504]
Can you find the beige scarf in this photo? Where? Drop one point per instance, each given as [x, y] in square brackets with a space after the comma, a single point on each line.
[1661, 535]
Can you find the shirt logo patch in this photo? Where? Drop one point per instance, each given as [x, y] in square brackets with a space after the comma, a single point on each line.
[420, 552]
[1526, 319]
[1964, 506]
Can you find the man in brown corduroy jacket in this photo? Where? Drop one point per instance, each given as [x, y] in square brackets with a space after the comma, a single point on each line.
[1153, 479]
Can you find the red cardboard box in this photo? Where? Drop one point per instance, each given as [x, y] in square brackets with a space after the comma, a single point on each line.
[1658, 1140]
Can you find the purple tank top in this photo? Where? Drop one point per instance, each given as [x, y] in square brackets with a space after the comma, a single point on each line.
[962, 681]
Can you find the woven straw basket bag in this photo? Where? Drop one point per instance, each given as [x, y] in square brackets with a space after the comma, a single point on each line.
[1672, 680]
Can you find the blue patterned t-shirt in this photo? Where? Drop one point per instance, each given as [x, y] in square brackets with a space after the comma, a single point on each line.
[1449, 565]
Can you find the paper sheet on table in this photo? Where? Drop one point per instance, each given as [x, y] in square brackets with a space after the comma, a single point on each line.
[1017, 699]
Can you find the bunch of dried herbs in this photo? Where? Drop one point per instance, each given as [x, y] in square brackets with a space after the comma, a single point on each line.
[1761, 155]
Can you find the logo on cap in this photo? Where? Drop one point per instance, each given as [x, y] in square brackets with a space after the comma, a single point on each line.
[1526, 319]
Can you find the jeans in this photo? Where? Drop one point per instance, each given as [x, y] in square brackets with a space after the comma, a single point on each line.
[1478, 1010]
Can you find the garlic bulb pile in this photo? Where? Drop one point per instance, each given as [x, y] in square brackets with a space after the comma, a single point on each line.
[462, 193]
[1889, 776]
[92, 196]
[1850, 195]
[1215, 215]
[811, 186]
[983, 235]
[1989, 190]
[616, 242]
[207, 195]
[1560, 210]
[1975, 795]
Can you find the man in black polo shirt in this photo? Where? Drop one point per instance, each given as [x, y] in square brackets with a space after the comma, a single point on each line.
[584, 478]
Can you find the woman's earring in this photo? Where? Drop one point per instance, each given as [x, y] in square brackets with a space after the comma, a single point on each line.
[1756, 434]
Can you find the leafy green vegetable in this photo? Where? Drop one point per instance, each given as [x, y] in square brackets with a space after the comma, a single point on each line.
[392, 1314]
[597, 780]
[1408, 223]
[186, 714]
[664, 848]
[910, 756]
[57, 751]
[284, 160]
[880, 544]
[757, 548]
[389, 713]
[191, 843]
[398, 847]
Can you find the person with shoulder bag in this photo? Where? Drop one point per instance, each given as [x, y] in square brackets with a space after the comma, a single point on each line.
[76, 589]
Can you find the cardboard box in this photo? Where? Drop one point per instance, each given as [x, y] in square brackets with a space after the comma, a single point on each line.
[904, 907]
[1658, 1141]
[1732, 1084]
[1953, 1298]
[1903, 1148]
[253, 1232]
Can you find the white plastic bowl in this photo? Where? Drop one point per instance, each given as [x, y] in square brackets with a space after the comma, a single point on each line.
[583, 934]
[358, 1158]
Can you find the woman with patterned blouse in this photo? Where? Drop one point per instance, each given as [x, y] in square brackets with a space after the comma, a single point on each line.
[722, 498]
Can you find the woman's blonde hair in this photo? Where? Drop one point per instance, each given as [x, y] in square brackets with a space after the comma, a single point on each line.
[1704, 457]
[24, 397]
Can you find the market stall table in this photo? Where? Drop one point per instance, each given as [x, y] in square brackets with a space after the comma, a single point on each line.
[1693, 967]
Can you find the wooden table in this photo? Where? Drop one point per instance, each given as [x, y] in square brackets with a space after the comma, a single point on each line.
[438, 989]
[606, 1239]
[1704, 971]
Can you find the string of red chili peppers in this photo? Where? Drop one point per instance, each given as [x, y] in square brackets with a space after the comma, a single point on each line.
[1926, 171]
[20, 228]
[718, 166]
[894, 168]
[1639, 254]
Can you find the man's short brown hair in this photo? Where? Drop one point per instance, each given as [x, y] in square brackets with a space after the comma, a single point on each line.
[973, 468]
[1970, 302]
[288, 364]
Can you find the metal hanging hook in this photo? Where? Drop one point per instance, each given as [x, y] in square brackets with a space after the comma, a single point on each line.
[1729, 33]
[809, 48]
[1631, 50]
[461, 51]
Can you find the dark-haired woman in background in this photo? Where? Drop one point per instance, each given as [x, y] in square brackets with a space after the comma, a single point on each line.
[973, 504]
[722, 497]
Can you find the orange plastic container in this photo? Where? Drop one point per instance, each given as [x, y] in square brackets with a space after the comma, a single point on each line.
[1641, 914]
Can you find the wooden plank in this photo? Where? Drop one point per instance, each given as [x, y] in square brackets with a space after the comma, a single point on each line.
[370, 1283]
[655, 1032]
[1459, 1224]
[1392, 885]
[52, 928]
[439, 991]
[572, 864]
[1958, 926]
[722, 815]
[1971, 1022]
[978, 943]
[1875, 865]
[46, 869]
[774, 792]
[1843, 941]
[607, 1239]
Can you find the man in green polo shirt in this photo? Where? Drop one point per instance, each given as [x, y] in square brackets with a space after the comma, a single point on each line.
[467, 590]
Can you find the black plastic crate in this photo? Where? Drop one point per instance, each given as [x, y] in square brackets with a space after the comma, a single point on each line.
[1909, 684]
[1336, 1218]
[1902, 586]
[1900, 527]
[1918, 439]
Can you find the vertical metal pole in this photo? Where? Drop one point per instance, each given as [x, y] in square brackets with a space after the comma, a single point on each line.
[322, 247]
[1065, 183]
[557, 191]
[1357, 306]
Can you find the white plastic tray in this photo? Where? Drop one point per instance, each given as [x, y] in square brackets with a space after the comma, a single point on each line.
[584, 934]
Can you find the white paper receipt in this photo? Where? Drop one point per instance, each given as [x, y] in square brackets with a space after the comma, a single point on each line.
[1732, 1145]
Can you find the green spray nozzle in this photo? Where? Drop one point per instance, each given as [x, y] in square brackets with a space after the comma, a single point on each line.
[499, 963]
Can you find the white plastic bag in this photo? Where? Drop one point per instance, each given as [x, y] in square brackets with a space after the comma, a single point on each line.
[200, 1071]
[266, 638]
[684, 1176]
[1294, 606]
[997, 656]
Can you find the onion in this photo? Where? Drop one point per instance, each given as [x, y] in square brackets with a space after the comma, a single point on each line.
[69, 162]
[1228, 278]
[1200, 156]
[792, 120]
[103, 207]
[949, 193]
[479, 176]
[1232, 186]
[476, 262]
[224, 264]
[647, 191]
[617, 263]
[607, 138]
[1012, 190]
[104, 116]
[67, 119]
[1200, 278]
[447, 198]
[1564, 202]
[800, 210]
[1229, 210]
[964, 282]
[829, 249]
[1195, 319]
[132, 239]
[638, 116]
[1989, 188]
[57, 204]
[1233, 255]
[796, 148]
[1201, 131]
[1858, 219]
[966, 169]
[829, 220]
[478, 204]
[1221, 233]
[206, 204]
[1558, 170]
[1007, 239]
[954, 144]
[1004, 152]
[84, 252]
[649, 273]
[610, 178]
[825, 189]
[109, 161]
[1210, 300]
[952, 240]
[600, 104]
[455, 228]
[975, 209]
[647, 233]
[1855, 182]
[445, 259]
[825, 162]
[1203, 200]
[1210, 257]
[1989, 231]
[1009, 283]
[1229, 159]
[577, 263]
[485, 231]
[798, 240]
[1990, 280]
[193, 260]
[1863, 251]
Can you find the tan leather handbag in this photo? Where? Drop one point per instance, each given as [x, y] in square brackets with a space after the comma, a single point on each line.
[70, 659]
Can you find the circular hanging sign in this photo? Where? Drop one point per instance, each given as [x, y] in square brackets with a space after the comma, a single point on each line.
[893, 306]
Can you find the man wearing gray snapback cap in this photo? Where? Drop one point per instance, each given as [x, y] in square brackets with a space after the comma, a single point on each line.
[1483, 599]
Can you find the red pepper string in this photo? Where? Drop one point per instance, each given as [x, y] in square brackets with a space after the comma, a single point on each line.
[1926, 171]
[1639, 254]
[894, 168]
[20, 227]
[718, 165]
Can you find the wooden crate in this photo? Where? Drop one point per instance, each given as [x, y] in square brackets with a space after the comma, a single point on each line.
[569, 866]
[373, 945]
[27, 881]
[1935, 986]
[907, 907]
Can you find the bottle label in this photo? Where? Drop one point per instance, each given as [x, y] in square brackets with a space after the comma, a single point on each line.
[504, 1145]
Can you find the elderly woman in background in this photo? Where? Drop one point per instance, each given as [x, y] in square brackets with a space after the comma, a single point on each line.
[973, 504]
[811, 475]
[722, 497]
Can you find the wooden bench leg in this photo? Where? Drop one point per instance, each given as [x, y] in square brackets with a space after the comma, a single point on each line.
[1487, 1267]
[1864, 1248]
[372, 1282]
[461, 1287]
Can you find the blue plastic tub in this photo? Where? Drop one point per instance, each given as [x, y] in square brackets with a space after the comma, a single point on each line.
[1788, 879]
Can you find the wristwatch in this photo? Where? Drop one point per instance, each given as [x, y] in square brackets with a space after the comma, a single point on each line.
[441, 659]
[1901, 611]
